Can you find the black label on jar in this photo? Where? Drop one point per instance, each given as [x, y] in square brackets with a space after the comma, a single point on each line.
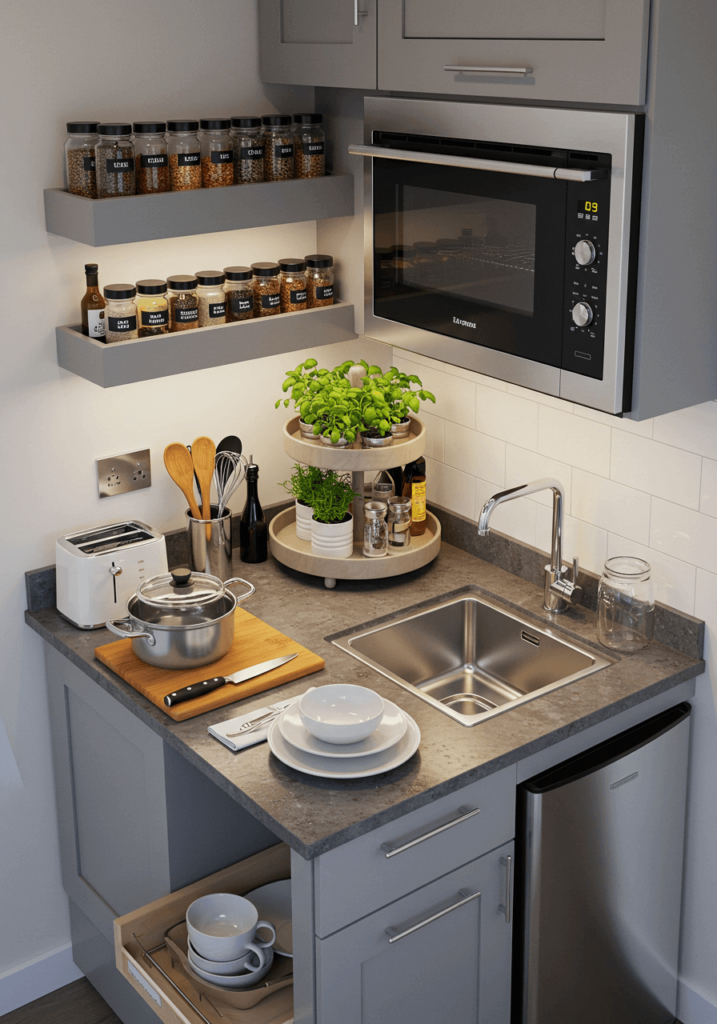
[296, 297]
[252, 153]
[313, 148]
[240, 305]
[270, 301]
[283, 152]
[324, 291]
[124, 166]
[188, 159]
[217, 309]
[155, 317]
[120, 324]
[186, 316]
[222, 156]
[88, 163]
[149, 160]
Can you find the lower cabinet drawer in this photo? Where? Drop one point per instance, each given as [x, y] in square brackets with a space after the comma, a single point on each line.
[397, 858]
[153, 970]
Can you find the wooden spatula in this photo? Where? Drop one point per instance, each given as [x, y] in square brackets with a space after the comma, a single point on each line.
[179, 466]
[203, 455]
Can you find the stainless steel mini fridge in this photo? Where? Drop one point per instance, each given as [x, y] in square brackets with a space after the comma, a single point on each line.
[601, 881]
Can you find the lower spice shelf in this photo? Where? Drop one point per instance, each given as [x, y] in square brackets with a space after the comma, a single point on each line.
[126, 362]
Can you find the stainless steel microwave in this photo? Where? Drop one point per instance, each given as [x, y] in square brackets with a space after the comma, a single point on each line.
[503, 239]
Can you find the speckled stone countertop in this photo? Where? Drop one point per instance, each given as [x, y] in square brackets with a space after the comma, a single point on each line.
[314, 815]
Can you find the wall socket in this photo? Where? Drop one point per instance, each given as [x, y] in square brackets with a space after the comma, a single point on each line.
[121, 473]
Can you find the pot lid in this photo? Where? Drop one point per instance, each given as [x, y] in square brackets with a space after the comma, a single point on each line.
[181, 589]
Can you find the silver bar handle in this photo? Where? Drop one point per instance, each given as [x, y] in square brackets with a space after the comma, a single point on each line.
[466, 897]
[358, 14]
[487, 69]
[479, 163]
[507, 862]
[464, 813]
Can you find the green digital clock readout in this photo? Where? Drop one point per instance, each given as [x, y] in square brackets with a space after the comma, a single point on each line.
[586, 206]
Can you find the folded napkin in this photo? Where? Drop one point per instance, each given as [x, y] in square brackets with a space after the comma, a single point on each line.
[224, 731]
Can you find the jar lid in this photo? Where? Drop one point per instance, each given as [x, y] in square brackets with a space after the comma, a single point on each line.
[182, 282]
[319, 260]
[181, 590]
[150, 127]
[183, 126]
[118, 128]
[82, 127]
[246, 122]
[151, 286]
[206, 277]
[276, 120]
[120, 291]
[265, 269]
[215, 124]
[292, 265]
[238, 273]
[374, 509]
[308, 118]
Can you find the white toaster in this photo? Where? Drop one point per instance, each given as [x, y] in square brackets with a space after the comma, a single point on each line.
[98, 570]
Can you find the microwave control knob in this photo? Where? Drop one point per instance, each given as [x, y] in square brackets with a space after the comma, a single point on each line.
[584, 252]
[582, 314]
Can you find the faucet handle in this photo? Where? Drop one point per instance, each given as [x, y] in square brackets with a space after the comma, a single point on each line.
[567, 591]
[575, 593]
[576, 568]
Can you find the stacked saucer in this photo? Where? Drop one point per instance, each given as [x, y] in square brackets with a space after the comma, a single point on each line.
[224, 947]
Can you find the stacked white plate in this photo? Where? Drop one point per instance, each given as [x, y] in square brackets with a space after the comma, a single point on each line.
[393, 742]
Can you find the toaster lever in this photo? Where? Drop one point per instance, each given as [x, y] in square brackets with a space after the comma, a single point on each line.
[116, 571]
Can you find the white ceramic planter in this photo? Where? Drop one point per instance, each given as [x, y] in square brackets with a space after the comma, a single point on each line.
[303, 521]
[333, 540]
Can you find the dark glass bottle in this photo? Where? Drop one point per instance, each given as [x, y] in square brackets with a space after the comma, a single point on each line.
[252, 526]
[93, 305]
[414, 487]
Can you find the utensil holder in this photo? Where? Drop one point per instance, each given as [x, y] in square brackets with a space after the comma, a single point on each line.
[209, 543]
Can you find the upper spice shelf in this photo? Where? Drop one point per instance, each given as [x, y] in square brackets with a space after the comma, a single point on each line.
[197, 212]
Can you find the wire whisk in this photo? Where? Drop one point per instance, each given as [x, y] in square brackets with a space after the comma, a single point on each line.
[229, 471]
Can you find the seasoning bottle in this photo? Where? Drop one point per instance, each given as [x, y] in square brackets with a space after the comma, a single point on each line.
[279, 147]
[252, 525]
[292, 285]
[185, 157]
[217, 152]
[152, 307]
[414, 487]
[239, 291]
[150, 147]
[92, 305]
[267, 297]
[80, 158]
[212, 300]
[248, 150]
[309, 146]
[183, 302]
[375, 534]
[320, 280]
[399, 522]
[120, 312]
[114, 161]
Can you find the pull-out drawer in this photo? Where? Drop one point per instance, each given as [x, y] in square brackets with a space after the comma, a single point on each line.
[397, 858]
[154, 971]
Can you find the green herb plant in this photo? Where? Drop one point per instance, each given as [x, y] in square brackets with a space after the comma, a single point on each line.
[390, 397]
[303, 483]
[332, 497]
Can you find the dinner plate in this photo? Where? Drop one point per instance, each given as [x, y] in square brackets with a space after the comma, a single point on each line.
[392, 727]
[273, 903]
[348, 767]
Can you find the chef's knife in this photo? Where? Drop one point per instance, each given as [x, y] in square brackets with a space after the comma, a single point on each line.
[198, 689]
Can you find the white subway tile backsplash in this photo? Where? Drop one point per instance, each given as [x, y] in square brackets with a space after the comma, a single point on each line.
[572, 439]
[516, 518]
[522, 467]
[506, 416]
[435, 435]
[474, 453]
[656, 468]
[455, 397]
[706, 603]
[693, 429]
[540, 398]
[687, 535]
[450, 488]
[673, 580]
[642, 427]
[708, 488]
[611, 506]
[589, 543]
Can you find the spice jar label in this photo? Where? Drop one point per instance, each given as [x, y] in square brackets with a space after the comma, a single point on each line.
[188, 159]
[222, 156]
[147, 160]
[120, 324]
[270, 301]
[96, 323]
[324, 291]
[252, 153]
[186, 316]
[120, 166]
[88, 163]
[313, 148]
[283, 151]
[155, 317]
[239, 305]
[297, 297]
[217, 309]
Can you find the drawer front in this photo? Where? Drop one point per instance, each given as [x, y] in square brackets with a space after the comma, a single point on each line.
[397, 858]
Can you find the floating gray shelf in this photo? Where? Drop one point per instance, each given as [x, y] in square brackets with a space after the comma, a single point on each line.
[198, 212]
[125, 362]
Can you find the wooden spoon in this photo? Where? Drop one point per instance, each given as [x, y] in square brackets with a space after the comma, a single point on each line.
[179, 466]
[203, 455]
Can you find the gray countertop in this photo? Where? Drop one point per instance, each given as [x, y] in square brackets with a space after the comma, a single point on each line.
[314, 815]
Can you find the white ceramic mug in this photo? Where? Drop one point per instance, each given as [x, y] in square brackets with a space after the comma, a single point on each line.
[255, 952]
[222, 926]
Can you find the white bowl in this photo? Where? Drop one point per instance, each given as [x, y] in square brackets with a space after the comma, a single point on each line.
[341, 713]
[225, 967]
[245, 980]
[220, 925]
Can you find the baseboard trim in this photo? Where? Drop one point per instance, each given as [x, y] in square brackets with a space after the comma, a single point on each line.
[37, 978]
[693, 1007]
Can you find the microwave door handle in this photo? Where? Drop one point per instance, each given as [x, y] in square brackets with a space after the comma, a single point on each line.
[478, 164]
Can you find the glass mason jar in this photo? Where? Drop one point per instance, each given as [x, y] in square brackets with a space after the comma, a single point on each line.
[114, 161]
[81, 179]
[185, 157]
[239, 291]
[183, 302]
[152, 307]
[152, 161]
[375, 533]
[626, 604]
[120, 312]
[248, 150]
[212, 300]
[309, 146]
[399, 522]
[217, 152]
[292, 285]
[319, 280]
[267, 289]
[278, 147]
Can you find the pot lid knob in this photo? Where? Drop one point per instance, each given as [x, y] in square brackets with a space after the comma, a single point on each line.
[181, 577]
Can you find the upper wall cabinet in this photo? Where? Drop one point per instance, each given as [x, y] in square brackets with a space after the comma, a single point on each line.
[312, 42]
[585, 51]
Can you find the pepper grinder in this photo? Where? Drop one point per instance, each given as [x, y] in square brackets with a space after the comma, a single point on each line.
[252, 526]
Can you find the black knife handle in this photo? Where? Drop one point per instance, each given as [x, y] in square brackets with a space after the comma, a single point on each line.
[195, 690]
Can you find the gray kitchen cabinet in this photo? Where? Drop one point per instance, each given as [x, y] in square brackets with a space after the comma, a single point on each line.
[311, 42]
[442, 953]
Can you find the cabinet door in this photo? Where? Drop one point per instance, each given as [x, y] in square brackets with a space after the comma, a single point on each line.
[592, 51]
[312, 42]
[440, 954]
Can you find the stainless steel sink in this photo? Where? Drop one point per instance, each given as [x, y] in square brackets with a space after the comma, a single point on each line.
[470, 657]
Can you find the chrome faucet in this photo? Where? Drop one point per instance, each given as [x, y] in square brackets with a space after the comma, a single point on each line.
[560, 592]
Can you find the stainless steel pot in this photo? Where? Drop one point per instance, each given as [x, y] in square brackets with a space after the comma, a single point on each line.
[181, 619]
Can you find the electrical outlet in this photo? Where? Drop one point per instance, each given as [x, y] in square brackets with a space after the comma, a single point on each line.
[122, 473]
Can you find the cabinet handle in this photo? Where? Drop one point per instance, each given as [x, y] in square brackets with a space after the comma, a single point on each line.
[358, 14]
[466, 897]
[506, 908]
[487, 69]
[464, 813]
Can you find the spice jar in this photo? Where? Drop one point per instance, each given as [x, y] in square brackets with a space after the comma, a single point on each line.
[399, 522]
[293, 285]
[150, 147]
[80, 158]
[626, 604]
[239, 291]
[320, 280]
[114, 161]
[120, 312]
[152, 307]
[185, 157]
[267, 297]
[375, 533]
[248, 150]
[217, 152]
[212, 300]
[309, 156]
[279, 147]
[183, 302]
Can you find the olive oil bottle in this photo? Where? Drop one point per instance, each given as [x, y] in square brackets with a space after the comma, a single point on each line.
[414, 487]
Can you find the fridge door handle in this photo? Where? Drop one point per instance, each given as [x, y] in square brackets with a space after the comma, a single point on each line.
[506, 907]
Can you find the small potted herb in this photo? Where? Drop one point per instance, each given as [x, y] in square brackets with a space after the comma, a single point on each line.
[398, 397]
[332, 524]
[302, 485]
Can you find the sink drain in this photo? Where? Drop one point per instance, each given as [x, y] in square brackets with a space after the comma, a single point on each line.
[467, 703]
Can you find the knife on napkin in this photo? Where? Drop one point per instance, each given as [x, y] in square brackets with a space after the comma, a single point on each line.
[207, 685]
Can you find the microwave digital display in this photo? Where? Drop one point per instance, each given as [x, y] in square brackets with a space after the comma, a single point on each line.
[587, 206]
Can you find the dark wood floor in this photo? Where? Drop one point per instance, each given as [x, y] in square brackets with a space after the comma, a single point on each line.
[77, 1003]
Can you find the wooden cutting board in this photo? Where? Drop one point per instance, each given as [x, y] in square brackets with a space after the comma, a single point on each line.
[254, 642]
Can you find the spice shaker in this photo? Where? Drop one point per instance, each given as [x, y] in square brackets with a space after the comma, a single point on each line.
[382, 487]
[217, 152]
[80, 158]
[152, 307]
[309, 146]
[375, 533]
[399, 522]
[151, 157]
[320, 280]
[267, 290]
[626, 604]
[120, 312]
[239, 291]
[183, 302]
[185, 157]
[114, 161]
[279, 147]
[248, 150]
[212, 299]
[292, 285]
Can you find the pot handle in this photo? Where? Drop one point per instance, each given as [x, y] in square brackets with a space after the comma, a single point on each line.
[124, 628]
[238, 579]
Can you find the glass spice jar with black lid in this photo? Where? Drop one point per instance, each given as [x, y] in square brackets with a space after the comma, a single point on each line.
[152, 307]
[292, 285]
[267, 290]
[183, 302]
[120, 312]
[185, 156]
[248, 150]
[319, 280]
[114, 161]
[279, 147]
[239, 291]
[212, 299]
[151, 157]
[309, 146]
[217, 152]
[81, 179]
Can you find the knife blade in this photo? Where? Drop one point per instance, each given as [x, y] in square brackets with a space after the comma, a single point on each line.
[207, 685]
